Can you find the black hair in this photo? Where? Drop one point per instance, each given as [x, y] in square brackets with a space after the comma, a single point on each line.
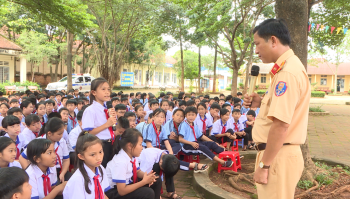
[14, 101]
[190, 103]
[70, 97]
[229, 97]
[202, 104]
[114, 99]
[237, 104]
[186, 97]
[182, 103]
[171, 104]
[14, 110]
[52, 115]
[170, 165]
[181, 95]
[10, 120]
[251, 112]
[80, 101]
[236, 100]
[40, 103]
[162, 94]
[191, 109]
[226, 105]
[132, 94]
[158, 111]
[32, 118]
[37, 147]
[4, 143]
[84, 107]
[193, 93]
[50, 102]
[129, 114]
[152, 102]
[239, 93]
[124, 99]
[129, 136]
[64, 97]
[71, 101]
[143, 96]
[58, 93]
[150, 115]
[138, 107]
[204, 101]
[169, 93]
[206, 96]
[53, 125]
[4, 99]
[63, 109]
[12, 180]
[25, 104]
[123, 122]
[80, 115]
[177, 110]
[40, 96]
[224, 111]
[120, 107]
[215, 106]
[221, 99]
[5, 105]
[84, 141]
[236, 111]
[94, 85]
[164, 101]
[274, 27]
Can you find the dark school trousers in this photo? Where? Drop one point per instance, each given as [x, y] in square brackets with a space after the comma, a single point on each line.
[66, 176]
[176, 146]
[204, 148]
[246, 138]
[169, 181]
[107, 150]
[145, 192]
[221, 140]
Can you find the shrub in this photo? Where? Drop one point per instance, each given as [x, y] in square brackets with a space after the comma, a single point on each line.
[323, 179]
[228, 88]
[261, 92]
[316, 109]
[349, 92]
[317, 94]
[26, 84]
[332, 90]
[241, 85]
[256, 87]
[305, 184]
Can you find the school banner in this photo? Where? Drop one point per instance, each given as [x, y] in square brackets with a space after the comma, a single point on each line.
[127, 79]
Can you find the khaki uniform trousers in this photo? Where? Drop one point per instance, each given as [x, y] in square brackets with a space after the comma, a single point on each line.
[284, 173]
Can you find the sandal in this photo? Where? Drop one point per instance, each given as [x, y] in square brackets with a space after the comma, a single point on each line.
[172, 196]
[204, 168]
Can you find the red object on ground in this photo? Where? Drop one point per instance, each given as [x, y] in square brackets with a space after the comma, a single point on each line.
[234, 156]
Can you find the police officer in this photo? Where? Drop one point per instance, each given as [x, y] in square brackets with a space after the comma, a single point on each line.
[281, 125]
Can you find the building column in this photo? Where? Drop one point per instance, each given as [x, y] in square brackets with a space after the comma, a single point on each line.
[316, 79]
[23, 69]
[332, 81]
[163, 76]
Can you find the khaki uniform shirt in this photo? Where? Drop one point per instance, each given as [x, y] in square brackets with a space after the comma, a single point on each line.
[287, 99]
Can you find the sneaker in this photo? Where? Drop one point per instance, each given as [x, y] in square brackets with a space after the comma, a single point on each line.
[228, 163]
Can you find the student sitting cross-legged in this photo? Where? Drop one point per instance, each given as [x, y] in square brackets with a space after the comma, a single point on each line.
[194, 142]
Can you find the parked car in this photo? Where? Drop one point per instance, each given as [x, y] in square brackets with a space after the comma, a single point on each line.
[79, 81]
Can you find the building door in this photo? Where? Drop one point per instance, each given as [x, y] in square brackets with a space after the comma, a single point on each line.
[340, 85]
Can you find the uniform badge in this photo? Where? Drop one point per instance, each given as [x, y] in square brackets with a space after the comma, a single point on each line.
[281, 88]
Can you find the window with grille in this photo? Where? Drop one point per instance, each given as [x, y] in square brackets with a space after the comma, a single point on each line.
[263, 78]
[4, 71]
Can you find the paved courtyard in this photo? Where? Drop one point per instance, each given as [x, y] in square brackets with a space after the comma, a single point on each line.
[329, 137]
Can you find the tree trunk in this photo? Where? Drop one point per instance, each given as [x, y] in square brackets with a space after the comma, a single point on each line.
[249, 64]
[69, 60]
[51, 74]
[199, 70]
[335, 80]
[182, 63]
[215, 59]
[61, 65]
[234, 82]
[296, 17]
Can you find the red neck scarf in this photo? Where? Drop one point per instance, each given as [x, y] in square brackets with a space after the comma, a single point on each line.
[134, 171]
[73, 120]
[236, 127]
[58, 158]
[36, 134]
[157, 134]
[223, 131]
[110, 128]
[176, 127]
[46, 184]
[204, 124]
[193, 131]
[98, 189]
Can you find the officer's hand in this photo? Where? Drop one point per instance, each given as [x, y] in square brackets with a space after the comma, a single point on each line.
[252, 101]
[261, 175]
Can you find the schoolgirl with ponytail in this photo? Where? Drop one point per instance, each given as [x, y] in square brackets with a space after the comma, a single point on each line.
[123, 172]
[89, 181]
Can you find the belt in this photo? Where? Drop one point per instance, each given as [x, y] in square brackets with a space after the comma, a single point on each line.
[262, 146]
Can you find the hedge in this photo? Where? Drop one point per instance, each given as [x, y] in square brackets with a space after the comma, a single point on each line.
[317, 94]
[26, 84]
[261, 92]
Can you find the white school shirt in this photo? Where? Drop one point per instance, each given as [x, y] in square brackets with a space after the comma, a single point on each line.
[22, 127]
[75, 187]
[209, 117]
[230, 124]
[14, 164]
[149, 157]
[146, 107]
[93, 117]
[65, 135]
[62, 151]
[169, 116]
[76, 111]
[28, 136]
[147, 114]
[20, 142]
[36, 180]
[217, 127]
[119, 169]
[199, 123]
[243, 119]
[1, 118]
[73, 137]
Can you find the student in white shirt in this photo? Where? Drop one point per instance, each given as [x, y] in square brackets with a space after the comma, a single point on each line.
[204, 124]
[53, 131]
[18, 113]
[8, 152]
[11, 125]
[42, 170]
[220, 132]
[153, 105]
[89, 181]
[33, 127]
[73, 137]
[123, 170]
[238, 127]
[164, 104]
[41, 112]
[140, 114]
[97, 119]
[17, 183]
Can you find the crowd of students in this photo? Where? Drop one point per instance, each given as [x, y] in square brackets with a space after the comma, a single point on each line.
[72, 145]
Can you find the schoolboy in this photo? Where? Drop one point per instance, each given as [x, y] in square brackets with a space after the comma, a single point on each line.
[213, 113]
[17, 183]
[221, 102]
[132, 96]
[182, 105]
[18, 113]
[170, 95]
[239, 95]
[238, 127]
[161, 96]
[72, 116]
[250, 123]
[190, 103]
[131, 118]
[14, 103]
[193, 94]
[194, 142]
[80, 104]
[153, 106]
[33, 127]
[222, 96]
[49, 105]
[76, 93]
[144, 124]
[73, 137]
[4, 100]
[186, 98]
[58, 99]
[27, 109]
[63, 103]
[120, 110]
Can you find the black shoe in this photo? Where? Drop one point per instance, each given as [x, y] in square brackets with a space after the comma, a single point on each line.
[228, 163]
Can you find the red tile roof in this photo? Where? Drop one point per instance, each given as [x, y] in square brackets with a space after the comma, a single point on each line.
[8, 45]
[170, 60]
[323, 69]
